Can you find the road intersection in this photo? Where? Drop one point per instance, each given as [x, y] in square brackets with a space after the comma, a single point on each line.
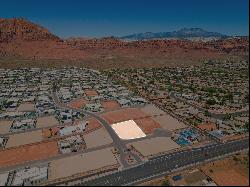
[118, 143]
[158, 165]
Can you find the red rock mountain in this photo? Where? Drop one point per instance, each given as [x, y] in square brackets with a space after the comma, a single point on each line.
[20, 29]
[20, 38]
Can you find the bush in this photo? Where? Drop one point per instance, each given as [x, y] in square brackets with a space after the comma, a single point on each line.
[211, 102]
[165, 183]
[235, 158]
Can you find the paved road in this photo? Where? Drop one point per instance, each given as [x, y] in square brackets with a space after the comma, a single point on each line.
[118, 143]
[167, 163]
[213, 115]
[156, 166]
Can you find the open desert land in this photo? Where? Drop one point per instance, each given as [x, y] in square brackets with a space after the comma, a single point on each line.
[47, 121]
[81, 164]
[24, 138]
[232, 171]
[5, 126]
[189, 177]
[155, 54]
[154, 146]
[97, 138]
[22, 154]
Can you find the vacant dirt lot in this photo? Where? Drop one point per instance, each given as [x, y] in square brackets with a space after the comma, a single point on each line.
[24, 138]
[154, 146]
[47, 121]
[78, 103]
[110, 105]
[97, 138]
[147, 125]
[93, 124]
[229, 172]
[72, 165]
[26, 107]
[23, 154]
[123, 115]
[169, 123]
[152, 110]
[5, 126]
[91, 93]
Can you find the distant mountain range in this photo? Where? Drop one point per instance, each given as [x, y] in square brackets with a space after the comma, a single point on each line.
[185, 33]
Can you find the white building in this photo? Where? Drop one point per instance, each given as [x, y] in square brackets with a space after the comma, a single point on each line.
[73, 129]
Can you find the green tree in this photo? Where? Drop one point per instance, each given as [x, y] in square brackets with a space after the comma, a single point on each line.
[246, 126]
[170, 88]
[165, 183]
[206, 113]
[227, 116]
[211, 102]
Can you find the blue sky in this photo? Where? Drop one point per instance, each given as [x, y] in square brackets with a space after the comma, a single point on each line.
[98, 18]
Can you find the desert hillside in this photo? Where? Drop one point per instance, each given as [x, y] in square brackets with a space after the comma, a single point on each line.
[25, 43]
[21, 29]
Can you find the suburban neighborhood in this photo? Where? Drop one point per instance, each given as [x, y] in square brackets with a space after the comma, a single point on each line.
[65, 116]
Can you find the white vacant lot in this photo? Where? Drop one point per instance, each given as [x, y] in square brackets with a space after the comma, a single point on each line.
[128, 130]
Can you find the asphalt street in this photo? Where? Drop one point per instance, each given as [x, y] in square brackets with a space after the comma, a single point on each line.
[118, 143]
[158, 165]
[167, 163]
